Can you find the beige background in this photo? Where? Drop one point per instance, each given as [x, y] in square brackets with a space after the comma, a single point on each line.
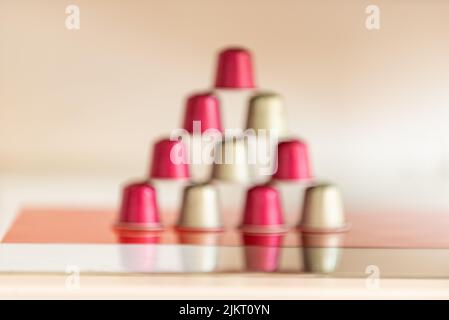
[374, 105]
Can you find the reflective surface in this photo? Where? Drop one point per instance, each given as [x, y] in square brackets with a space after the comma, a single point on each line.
[400, 245]
[157, 259]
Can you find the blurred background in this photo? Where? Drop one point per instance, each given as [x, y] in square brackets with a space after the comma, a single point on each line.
[79, 109]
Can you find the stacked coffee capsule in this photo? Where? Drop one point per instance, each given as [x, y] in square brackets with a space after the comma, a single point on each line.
[204, 159]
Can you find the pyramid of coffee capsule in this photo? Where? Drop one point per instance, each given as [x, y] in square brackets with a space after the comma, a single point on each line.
[199, 210]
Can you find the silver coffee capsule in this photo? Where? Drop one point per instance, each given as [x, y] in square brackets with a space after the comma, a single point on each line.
[265, 125]
[266, 112]
[323, 209]
[200, 210]
[231, 164]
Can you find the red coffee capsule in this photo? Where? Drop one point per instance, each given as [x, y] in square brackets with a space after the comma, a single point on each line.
[205, 109]
[263, 212]
[293, 161]
[234, 69]
[139, 209]
[169, 160]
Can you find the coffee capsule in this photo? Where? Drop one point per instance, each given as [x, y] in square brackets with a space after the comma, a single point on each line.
[266, 114]
[169, 160]
[200, 209]
[293, 162]
[230, 164]
[202, 113]
[263, 211]
[323, 210]
[234, 69]
[139, 208]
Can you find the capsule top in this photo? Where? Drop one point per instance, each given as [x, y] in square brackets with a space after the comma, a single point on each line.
[265, 96]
